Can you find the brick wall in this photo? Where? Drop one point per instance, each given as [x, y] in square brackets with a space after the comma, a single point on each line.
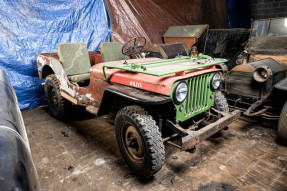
[261, 9]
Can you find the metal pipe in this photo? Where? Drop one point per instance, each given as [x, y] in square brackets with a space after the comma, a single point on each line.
[173, 144]
[169, 137]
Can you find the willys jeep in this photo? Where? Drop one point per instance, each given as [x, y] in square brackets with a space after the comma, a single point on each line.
[155, 100]
[258, 86]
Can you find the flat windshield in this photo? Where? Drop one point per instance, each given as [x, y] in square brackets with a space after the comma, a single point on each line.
[270, 27]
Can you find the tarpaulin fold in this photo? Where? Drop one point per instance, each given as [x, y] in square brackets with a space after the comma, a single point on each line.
[151, 18]
[28, 27]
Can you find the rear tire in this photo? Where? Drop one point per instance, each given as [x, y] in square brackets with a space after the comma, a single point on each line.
[282, 126]
[58, 106]
[139, 140]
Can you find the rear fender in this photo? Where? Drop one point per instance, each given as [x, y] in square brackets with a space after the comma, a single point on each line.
[45, 63]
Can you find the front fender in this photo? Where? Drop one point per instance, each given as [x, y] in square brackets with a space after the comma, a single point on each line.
[116, 93]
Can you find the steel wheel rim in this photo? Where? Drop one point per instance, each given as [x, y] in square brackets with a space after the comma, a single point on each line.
[132, 143]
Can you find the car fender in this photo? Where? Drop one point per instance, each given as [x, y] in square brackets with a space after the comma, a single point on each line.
[45, 62]
[132, 95]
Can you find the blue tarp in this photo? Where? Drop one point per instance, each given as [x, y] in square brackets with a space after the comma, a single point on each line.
[28, 27]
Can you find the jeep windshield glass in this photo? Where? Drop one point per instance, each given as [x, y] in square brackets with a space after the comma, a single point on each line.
[270, 27]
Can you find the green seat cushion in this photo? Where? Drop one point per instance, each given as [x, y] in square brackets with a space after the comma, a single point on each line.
[79, 77]
[111, 51]
[74, 57]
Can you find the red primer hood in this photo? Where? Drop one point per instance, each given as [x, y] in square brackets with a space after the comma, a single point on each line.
[157, 84]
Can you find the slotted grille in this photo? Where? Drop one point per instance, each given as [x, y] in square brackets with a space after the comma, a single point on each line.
[198, 95]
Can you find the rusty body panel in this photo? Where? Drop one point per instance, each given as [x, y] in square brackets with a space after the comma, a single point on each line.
[83, 95]
[240, 80]
[195, 137]
[254, 95]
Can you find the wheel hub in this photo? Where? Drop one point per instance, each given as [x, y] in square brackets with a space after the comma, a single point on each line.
[133, 144]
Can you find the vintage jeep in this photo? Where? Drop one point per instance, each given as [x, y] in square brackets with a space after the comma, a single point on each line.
[258, 86]
[150, 96]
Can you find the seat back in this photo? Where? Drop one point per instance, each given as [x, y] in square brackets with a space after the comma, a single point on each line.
[74, 57]
[111, 51]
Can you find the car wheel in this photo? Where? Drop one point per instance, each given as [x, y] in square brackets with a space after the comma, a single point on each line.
[58, 106]
[220, 102]
[282, 126]
[139, 140]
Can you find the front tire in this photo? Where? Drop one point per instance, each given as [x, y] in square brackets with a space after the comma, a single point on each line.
[220, 102]
[139, 140]
[282, 126]
[58, 106]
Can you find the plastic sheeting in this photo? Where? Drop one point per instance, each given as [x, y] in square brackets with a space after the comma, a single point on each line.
[151, 18]
[28, 27]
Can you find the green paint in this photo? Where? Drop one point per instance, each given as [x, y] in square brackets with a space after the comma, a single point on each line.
[198, 99]
[143, 68]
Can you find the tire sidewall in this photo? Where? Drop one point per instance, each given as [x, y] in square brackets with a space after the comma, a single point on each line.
[118, 128]
[220, 102]
[49, 84]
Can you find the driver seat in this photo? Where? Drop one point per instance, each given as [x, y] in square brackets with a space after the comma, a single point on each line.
[111, 51]
[75, 60]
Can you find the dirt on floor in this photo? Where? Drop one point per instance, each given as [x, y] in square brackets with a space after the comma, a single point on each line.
[81, 154]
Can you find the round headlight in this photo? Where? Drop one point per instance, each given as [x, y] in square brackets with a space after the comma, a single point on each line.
[180, 92]
[215, 81]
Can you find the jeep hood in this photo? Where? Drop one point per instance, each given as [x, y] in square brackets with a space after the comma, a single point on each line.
[157, 84]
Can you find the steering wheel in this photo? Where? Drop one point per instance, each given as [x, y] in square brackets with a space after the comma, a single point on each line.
[134, 47]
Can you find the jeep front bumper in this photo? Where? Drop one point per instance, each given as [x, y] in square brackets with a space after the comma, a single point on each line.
[190, 138]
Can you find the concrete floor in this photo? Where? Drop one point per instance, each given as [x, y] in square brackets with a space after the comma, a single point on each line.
[82, 155]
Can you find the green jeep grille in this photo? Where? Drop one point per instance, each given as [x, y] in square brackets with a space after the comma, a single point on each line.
[199, 98]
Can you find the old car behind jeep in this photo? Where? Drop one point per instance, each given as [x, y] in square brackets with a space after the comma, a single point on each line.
[155, 100]
[259, 87]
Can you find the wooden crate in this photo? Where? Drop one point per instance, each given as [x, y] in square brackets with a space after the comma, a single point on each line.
[189, 41]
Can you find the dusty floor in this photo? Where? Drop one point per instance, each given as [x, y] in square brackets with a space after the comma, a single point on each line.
[83, 155]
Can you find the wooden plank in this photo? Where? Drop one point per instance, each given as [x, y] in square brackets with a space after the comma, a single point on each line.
[280, 58]
[68, 97]
[189, 41]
